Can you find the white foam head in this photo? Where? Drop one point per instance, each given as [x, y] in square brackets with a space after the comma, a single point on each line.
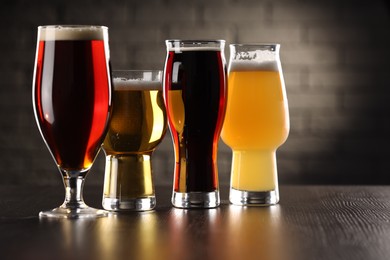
[59, 32]
[254, 60]
[136, 84]
[195, 45]
[181, 49]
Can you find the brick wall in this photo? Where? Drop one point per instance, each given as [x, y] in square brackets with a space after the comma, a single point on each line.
[335, 56]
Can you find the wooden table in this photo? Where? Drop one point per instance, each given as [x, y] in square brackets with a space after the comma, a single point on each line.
[311, 222]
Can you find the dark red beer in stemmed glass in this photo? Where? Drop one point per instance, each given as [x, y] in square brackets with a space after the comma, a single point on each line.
[72, 100]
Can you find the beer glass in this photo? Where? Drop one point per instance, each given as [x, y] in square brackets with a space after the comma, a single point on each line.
[72, 102]
[195, 95]
[137, 126]
[256, 122]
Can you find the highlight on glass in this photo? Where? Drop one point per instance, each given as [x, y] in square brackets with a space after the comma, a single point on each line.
[137, 126]
[72, 103]
[256, 122]
[195, 97]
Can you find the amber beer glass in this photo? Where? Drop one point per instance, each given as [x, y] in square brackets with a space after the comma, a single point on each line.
[137, 126]
[256, 122]
[195, 95]
[72, 101]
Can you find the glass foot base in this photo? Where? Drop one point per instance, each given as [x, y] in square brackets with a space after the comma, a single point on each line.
[253, 198]
[189, 200]
[138, 204]
[73, 213]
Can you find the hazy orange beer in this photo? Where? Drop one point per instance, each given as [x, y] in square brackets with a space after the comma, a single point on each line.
[256, 122]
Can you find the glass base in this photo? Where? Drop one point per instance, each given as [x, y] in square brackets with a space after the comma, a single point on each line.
[137, 204]
[74, 213]
[189, 200]
[253, 198]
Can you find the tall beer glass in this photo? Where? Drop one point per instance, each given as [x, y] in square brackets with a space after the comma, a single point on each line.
[256, 122]
[137, 126]
[195, 95]
[72, 100]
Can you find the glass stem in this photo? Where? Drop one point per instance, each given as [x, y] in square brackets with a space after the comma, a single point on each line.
[73, 192]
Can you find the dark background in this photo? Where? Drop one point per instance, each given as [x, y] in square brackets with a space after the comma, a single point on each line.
[335, 56]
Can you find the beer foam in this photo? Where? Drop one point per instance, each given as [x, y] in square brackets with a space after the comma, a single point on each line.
[241, 65]
[136, 84]
[58, 32]
[195, 45]
[200, 48]
[254, 60]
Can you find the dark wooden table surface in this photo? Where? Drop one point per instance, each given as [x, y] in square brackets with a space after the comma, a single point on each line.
[311, 222]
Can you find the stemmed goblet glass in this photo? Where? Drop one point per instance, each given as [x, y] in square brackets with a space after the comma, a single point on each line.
[72, 102]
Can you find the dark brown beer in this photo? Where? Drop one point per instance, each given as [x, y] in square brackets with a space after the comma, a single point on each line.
[195, 96]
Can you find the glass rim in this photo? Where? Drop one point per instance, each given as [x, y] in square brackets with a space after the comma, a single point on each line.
[255, 44]
[194, 45]
[70, 26]
[200, 41]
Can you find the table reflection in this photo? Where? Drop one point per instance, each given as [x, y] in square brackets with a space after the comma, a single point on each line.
[135, 236]
[138, 236]
[233, 233]
[193, 229]
[228, 232]
[254, 232]
[68, 239]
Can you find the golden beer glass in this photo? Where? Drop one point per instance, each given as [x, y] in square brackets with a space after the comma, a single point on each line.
[137, 126]
[256, 122]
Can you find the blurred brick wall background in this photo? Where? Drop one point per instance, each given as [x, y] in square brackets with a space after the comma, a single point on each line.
[335, 56]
